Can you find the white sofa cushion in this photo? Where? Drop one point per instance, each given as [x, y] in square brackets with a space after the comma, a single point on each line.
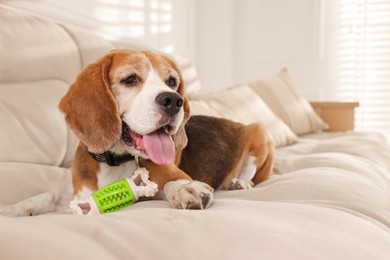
[284, 99]
[241, 104]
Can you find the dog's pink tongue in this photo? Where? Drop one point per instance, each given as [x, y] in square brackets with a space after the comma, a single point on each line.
[160, 147]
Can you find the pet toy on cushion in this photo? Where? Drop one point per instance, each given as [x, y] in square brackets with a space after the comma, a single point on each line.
[117, 195]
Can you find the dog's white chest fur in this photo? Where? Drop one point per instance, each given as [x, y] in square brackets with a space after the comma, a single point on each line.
[109, 174]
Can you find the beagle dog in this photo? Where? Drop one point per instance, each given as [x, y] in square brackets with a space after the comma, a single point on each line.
[131, 104]
[129, 110]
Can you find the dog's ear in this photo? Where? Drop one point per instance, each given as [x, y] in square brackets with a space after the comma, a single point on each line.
[90, 108]
[180, 138]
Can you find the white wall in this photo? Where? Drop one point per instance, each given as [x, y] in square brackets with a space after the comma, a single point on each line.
[184, 27]
[215, 42]
[238, 41]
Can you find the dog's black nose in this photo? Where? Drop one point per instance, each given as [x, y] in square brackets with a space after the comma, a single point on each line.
[170, 102]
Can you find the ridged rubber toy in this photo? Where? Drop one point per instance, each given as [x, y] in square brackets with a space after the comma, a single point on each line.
[115, 196]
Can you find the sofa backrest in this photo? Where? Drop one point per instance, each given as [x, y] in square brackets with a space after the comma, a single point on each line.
[39, 59]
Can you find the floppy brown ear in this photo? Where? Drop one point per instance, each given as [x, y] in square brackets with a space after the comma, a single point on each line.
[180, 138]
[90, 109]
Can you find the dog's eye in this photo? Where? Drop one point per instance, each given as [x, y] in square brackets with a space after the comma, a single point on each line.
[171, 82]
[130, 80]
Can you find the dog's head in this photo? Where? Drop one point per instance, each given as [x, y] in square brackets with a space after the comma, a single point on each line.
[133, 97]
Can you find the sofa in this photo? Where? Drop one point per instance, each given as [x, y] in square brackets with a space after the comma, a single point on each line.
[328, 196]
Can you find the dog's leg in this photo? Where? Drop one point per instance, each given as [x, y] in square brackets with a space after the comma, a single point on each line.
[179, 189]
[265, 165]
[257, 160]
[39, 204]
[244, 179]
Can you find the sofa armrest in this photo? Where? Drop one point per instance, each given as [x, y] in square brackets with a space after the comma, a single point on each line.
[340, 116]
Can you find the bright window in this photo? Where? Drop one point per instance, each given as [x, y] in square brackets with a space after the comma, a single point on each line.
[147, 20]
[364, 60]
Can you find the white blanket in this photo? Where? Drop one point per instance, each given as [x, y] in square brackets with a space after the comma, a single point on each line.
[329, 198]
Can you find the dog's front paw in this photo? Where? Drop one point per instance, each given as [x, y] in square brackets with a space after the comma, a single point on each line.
[183, 194]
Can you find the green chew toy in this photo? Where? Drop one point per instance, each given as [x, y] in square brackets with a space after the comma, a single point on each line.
[116, 196]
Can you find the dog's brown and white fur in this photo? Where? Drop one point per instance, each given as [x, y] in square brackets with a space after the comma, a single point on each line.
[126, 97]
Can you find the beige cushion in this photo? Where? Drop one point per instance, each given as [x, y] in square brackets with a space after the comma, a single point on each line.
[281, 95]
[241, 104]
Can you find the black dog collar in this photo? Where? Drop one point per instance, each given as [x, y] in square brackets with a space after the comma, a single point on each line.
[112, 159]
